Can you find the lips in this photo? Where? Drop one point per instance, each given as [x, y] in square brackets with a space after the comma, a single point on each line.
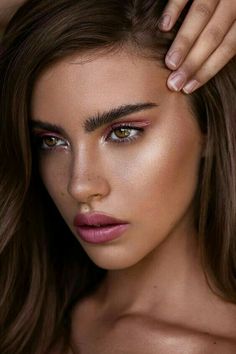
[96, 219]
[98, 228]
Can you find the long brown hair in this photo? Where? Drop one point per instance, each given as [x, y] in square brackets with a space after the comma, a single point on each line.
[44, 270]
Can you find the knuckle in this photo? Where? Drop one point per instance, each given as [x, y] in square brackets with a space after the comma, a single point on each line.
[188, 68]
[203, 9]
[214, 34]
[184, 42]
[177, 6]
[205, 73]
[229, 48]
[201, 78]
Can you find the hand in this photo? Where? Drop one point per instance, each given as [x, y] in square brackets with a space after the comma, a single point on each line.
[205, 42]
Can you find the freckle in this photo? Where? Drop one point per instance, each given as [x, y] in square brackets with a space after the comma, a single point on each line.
[62, 193]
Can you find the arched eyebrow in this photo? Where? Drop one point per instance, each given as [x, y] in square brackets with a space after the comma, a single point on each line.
[94, 122]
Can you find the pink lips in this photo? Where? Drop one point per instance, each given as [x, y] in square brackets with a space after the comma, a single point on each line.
[98, 228]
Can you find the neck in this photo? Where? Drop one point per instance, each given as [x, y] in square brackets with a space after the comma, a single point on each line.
[165, 278]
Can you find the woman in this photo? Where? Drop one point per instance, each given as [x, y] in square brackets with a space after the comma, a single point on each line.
[118, 196]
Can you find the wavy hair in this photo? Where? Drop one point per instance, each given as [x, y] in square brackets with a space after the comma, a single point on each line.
[43, 269]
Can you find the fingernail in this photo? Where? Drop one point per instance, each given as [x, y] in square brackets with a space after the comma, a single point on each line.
[164, 22]
[176, 81]
[191, 86]
[173, 59]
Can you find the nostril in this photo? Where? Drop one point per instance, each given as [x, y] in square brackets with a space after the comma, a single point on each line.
[97, 195]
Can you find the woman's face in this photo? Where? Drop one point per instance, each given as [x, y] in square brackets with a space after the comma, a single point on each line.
[141, 167]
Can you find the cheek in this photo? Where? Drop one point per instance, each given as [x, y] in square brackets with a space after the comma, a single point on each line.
[164, 170]
[53, 171]
[176, 181]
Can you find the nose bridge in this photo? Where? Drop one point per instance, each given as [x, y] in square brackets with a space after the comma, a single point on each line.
[83, 162]
[87, 175]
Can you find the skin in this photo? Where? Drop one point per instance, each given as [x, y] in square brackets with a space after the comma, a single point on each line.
[7, 9]
[155, 288]
[203, 46]
[205, 42]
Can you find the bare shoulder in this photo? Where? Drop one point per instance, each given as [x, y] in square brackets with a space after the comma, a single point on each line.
[138, 334]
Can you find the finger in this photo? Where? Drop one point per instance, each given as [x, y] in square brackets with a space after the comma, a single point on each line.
[215, 63]
[208, 41]
[206, 44]
[194, 23]
[171, 13]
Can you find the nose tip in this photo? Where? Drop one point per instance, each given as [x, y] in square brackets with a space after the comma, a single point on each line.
[86, 189]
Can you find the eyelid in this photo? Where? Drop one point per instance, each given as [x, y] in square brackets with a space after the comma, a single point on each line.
[43, 134]
[36, 132]
[131, 124]
[137, 124]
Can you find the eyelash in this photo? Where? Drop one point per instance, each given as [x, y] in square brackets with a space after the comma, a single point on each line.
[39, 138]
[39, 141]
[126, 140]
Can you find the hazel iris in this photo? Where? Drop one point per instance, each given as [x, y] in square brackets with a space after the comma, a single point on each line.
[122, 132]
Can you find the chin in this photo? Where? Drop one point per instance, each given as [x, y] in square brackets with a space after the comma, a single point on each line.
[111, 259]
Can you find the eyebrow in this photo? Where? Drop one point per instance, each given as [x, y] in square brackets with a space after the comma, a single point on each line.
[94, 122]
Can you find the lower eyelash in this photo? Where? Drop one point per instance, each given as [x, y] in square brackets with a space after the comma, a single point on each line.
[38, 141]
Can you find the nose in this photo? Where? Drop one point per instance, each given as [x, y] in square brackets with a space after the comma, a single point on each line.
[87, 184]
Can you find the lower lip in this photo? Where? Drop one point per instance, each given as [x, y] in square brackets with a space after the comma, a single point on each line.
[101, 234]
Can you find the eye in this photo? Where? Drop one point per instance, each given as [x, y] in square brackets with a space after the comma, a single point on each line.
[48, 142]
[124, 133]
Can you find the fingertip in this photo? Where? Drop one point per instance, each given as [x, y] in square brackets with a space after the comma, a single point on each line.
[164, 23]
[168, 63]
[191, 86]
[173, 59]
[176, 81]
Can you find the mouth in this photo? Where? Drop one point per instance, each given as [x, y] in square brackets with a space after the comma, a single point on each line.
[101, 234]
[97, 225]
[99, 228]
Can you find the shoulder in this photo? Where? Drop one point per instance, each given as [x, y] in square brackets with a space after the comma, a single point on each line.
[153, 336]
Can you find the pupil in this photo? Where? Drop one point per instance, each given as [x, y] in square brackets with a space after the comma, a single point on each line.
[50, 141]
[122, 132]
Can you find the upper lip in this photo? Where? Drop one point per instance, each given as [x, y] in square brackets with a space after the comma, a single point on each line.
[96, 219]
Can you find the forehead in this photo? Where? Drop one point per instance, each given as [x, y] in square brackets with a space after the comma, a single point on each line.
[101, 76]
[82, 86]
